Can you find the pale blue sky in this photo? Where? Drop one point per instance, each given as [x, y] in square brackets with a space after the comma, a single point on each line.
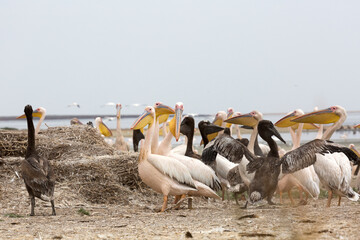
[272, 56]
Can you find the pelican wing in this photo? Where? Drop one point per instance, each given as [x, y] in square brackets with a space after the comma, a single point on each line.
[199, 171]
[351, 155]
[255, 164]
[231, 149]
[305, 155]
[172, 168]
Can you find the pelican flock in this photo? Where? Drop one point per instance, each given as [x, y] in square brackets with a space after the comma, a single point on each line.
[225, 162]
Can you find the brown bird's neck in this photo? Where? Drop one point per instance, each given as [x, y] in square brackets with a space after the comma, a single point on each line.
[31, 136]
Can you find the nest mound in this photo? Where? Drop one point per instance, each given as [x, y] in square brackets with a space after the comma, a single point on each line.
[56, 142]
[85, 166]
[104, 179]
[111, 179]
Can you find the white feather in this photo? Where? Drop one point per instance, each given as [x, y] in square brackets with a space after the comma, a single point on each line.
[309, 181]
[171, 167]
[198, 170]
[334, 171]
[181, 149]
[223, 166]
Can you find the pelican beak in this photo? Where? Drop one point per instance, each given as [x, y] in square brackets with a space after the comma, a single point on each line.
[178, 115]
[357, 126]
[310, 126]
[324, 116]
[34, 114]
[217, 121]
[212, 128]
[277, 134]
[104, 130]
[161, 109]
[162, 112]
[229, 115]
[243, 119]
[354, 150]
[286, 121]
[143, 120]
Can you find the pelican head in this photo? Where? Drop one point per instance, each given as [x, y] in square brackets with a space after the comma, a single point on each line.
[118, 109]
[325, 116]
[219, 118]
[39, 112]
[267, 130]
[230, 112]
[104, 130]
[249, 119]
[287, 121]
[352, 147]
[144, 119]
[162, 112]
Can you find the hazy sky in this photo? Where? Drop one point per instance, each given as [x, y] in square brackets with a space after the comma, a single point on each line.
[272, 56]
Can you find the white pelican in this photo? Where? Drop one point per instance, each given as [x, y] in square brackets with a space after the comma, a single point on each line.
[355, 182]
[39, 112]
[162, 114]
[102, 128]
[304, 179]
[163, 174]
[204, 176]
[120, 142]
[36, 171]
[333, 169]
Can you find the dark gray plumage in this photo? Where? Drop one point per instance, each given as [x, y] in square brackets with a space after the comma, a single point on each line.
[35, 170]
[305, 155]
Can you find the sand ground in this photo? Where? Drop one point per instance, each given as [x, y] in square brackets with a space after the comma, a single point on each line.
[137, 218]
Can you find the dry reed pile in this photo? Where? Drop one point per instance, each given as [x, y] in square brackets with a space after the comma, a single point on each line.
[81, 159]
[56, 142]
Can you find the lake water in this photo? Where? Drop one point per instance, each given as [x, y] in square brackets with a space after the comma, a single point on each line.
[126, 121]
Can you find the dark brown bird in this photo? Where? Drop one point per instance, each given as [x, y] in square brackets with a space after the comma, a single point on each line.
[36, 171]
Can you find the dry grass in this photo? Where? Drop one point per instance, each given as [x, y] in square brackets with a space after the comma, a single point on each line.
[56, 143]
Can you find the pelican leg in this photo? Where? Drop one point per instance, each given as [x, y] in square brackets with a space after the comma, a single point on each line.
[190, 203]
[281, 199]
[180, 200]
[236, 198]
[339, 200]
[164, 203]
[53, 208]
[300, 193]
[291, 198]
[329, 198]
[222, 192]
[32, 206]
[177, 198]
[245, 206]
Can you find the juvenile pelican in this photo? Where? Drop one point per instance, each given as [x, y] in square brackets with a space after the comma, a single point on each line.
[35, 170]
